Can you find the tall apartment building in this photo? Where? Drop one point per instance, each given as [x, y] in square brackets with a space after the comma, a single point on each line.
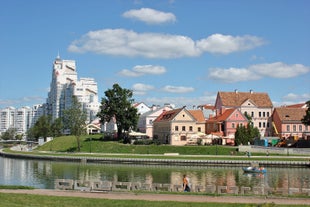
[20, 119]
[65, 84]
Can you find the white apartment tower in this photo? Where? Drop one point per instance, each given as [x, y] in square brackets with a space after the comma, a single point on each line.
[65, 84]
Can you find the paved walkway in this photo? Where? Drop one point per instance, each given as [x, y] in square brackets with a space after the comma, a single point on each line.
[182, 197]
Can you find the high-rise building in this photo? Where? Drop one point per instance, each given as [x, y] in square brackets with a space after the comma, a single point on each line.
[65, 84]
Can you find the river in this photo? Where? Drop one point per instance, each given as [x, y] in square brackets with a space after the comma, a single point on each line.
[42, 174]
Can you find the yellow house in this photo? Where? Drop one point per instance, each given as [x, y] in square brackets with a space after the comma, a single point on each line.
[178, 126]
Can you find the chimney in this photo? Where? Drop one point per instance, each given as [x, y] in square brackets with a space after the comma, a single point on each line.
[236, 90]
[251, 91]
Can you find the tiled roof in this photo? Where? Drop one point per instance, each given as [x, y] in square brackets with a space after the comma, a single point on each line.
[301, 105]
[238, 98]
[198, 114]
[223, 116]
[290, 114]
[168, 115]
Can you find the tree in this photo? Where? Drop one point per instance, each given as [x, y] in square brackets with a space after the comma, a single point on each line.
[9, 134]
[118, 103]
[244, 135]
[74, 119]
[42, 128]
[57, 127]
[306, 119]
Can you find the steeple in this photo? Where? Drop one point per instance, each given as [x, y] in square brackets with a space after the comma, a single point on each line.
[58, 56]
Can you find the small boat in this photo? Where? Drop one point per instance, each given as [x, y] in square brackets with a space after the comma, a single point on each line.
[254, 170]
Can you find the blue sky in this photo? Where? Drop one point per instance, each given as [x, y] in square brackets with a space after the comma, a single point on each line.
[167, 51]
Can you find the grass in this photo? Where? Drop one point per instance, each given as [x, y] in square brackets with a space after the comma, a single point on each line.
[21, 200]
[14, 187]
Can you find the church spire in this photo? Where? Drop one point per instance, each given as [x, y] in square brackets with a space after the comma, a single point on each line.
[58, 56]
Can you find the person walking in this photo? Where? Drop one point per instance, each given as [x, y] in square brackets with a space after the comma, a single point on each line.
[186, 187]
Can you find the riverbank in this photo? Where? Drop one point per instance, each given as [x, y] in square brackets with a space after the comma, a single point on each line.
[168, 159]
[182, 197]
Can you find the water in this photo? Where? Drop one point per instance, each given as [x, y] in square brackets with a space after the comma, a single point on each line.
[42, 174]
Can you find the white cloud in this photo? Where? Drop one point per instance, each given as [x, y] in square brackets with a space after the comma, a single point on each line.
[150, 16]
[225, 44]
[178, 89]
[141, 89]
[232, 75]
[279, 70]
[255, 72]
[297, 97]
[140, 70]
[123, 42]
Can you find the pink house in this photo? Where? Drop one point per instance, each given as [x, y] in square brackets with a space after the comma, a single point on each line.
[225, 124]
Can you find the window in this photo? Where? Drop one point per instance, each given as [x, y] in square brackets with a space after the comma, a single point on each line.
[176, 128]
[190, 128]
[259, 114]
[267, 114]
[260, 124]
[300, 127]
[264, 125]
[183, 128]
[183, 138]
[252, 114]
[199, 129]
[264, 114]
[233, 125]
[151, 121]
[294, 128]
[288, 128]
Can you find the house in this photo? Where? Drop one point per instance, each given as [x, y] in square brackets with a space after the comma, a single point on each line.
[178, 126]
[145, 123]
[287, 123]
[258, 106]
[141, 107]
[225, 124]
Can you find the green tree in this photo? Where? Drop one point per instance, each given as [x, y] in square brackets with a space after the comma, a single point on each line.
[306, 119]
[244, 135]
[57, 127]
[74, 119]
[118, 103]
[42, 128]
[9, 134]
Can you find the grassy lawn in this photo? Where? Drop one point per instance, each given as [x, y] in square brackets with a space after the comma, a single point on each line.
[21, 200]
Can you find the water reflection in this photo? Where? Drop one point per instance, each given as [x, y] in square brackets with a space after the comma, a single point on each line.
[41, 174]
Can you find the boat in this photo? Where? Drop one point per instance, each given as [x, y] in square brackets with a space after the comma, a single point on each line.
[254, 170]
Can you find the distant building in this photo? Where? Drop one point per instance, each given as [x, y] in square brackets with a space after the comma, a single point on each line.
[20, 119]
[145, 122]
[287, 122]
[178, 126]
[258, 106]
[65, 84]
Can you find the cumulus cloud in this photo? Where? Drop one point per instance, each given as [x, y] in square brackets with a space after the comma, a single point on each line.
[123, 42]
[292, 97]
[255, 72]
[141, 89]
[177, 89]
[150, 16]
[140, 70]
[225, 44]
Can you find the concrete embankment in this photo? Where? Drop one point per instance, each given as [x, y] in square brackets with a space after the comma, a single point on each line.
[183, 161]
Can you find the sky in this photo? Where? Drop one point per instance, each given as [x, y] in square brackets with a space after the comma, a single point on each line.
[181, 52]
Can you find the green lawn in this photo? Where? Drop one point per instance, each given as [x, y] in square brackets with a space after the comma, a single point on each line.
[22, 200]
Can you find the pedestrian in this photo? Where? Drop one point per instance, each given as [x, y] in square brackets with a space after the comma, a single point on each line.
[186, 187]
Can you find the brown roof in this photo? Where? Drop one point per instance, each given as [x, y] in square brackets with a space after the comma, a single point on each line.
[290, 114]
[223, 116]
[300, 105]
[236, 99]
[198, 115]
[168, 115]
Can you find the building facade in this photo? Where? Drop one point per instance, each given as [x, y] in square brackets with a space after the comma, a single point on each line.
[65, 84]
[258, 106]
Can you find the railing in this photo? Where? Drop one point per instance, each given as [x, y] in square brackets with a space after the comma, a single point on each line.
[105, 186]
